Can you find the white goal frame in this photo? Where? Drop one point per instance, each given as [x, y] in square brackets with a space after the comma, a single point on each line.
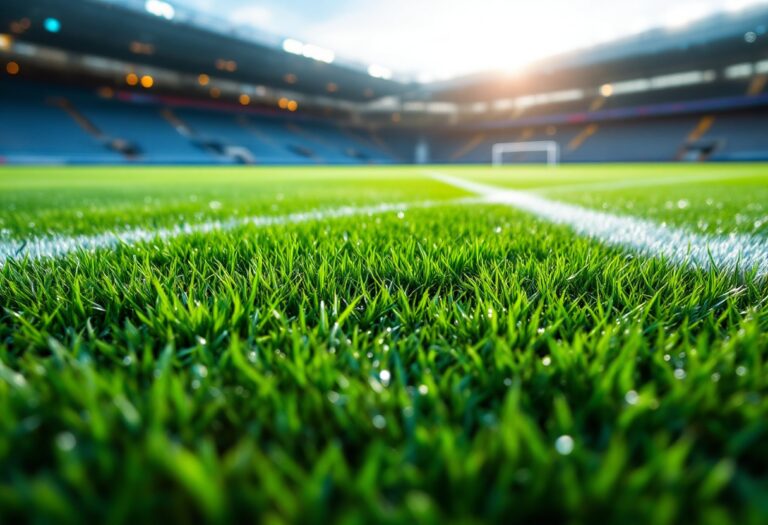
[550, 147]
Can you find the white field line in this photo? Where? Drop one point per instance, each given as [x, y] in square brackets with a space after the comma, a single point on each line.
[730, 253]
[60, 245]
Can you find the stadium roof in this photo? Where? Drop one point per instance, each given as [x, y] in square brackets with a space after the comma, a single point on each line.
[157, 33]
[142, 32]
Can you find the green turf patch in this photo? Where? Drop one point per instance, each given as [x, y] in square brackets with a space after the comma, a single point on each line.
[451, 364]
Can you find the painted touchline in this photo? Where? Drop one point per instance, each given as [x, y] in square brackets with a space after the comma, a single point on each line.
[731, 253]
[60, 245]
[674, 244]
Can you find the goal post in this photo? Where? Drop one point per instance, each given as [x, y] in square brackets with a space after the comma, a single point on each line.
[550, 147]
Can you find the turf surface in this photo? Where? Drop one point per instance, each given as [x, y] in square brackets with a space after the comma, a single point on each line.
[450, 364]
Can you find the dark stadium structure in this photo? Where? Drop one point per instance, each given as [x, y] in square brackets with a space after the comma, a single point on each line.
[193, 90]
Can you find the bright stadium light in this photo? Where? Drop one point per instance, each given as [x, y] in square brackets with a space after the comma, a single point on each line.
[606, 90]
[377, 71]
[293, 46]
[52, 25]
[160, 8]
[318, 53]
[296, 47]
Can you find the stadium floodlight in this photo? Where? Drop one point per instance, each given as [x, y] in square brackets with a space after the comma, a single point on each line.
[52, 25]
[377, 71]
[293, 46]
[550, 147]
[160, 8]
[318, 53]
[297, 47]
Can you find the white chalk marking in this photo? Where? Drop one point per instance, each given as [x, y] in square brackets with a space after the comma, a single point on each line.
[60, 245]
[731, 253]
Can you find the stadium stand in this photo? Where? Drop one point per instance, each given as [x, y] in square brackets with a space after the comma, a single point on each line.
[688, 95]
[34, 128]
[82, 126]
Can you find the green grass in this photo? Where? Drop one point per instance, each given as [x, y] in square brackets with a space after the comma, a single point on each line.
[431, 367]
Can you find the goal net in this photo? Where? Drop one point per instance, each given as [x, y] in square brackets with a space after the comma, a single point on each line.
[505, 149]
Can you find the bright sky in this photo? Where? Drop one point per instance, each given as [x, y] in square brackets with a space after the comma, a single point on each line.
[441, 38]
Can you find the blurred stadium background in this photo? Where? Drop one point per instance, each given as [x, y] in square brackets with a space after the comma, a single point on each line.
[151, 82]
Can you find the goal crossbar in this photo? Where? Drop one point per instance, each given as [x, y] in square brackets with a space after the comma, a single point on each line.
[550, 147]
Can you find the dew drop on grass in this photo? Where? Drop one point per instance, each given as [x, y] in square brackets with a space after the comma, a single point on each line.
[546, 361]
[66, 441]
[631, 397]
[564, 445]
[680, 374]
[385, 376]
[18, 380]
[214, 205]
[379, 421]
[741, 371]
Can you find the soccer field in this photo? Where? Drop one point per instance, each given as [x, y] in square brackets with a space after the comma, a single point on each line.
[384, 344]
